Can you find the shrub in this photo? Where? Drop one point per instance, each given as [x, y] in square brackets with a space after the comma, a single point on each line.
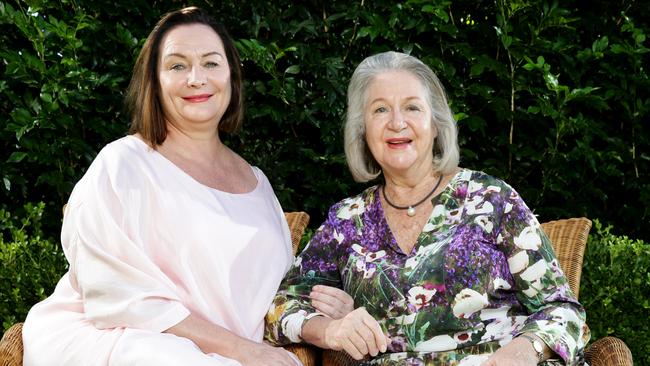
[31, 263]
[615, 290]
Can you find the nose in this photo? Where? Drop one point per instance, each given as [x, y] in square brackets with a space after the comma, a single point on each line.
[196, 78]
[397, 122]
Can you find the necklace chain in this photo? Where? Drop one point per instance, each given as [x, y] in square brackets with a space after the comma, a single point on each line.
[410, 208]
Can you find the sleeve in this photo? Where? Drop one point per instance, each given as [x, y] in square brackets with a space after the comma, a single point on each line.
[541, 287]
[316, 265]
[110, 266]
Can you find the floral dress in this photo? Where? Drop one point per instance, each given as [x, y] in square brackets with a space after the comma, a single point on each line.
[482, 272]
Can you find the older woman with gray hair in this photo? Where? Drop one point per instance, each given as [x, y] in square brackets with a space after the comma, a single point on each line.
[433, 265]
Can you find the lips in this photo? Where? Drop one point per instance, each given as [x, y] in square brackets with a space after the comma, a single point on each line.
[398, 142]
[197, 98]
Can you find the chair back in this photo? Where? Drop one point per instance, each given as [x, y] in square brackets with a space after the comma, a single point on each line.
[569, 240]
[297, 223]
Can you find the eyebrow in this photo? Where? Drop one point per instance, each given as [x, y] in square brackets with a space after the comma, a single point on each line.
[408, 99]
[180, 55]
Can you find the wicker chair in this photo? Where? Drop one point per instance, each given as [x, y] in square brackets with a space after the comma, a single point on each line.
[569, 238]
[298, 221]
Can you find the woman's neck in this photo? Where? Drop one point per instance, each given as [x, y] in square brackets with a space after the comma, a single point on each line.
[409, 181]
[194, 144]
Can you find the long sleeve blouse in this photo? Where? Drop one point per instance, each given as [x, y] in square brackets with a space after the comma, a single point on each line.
[482, 272]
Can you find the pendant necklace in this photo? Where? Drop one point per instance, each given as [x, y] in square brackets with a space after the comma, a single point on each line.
[410, 209]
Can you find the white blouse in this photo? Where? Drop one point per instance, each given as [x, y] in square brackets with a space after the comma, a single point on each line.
[147, 244]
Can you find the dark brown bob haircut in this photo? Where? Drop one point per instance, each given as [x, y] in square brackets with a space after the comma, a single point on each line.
[143, 95]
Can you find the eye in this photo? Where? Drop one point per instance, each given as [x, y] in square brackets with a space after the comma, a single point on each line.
[413, 108]
[177, 67]
[381, 110]
[211, 64]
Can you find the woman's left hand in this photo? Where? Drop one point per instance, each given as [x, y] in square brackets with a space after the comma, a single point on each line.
[331, 301]
[519, 352]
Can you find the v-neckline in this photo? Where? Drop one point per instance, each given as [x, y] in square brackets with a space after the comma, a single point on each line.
[393, 240]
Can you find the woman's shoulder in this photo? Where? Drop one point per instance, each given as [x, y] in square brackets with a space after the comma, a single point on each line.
[119, 159]
[114, 166]
[262, 180]
[116, 152]
[125, 148]
[354, 206]
[478, 180]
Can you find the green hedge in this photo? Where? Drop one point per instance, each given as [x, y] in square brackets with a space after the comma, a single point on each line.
[551, 96]
[615, 289]
[32, 263]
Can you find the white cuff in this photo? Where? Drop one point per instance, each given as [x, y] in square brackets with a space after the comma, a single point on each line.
[292, 324]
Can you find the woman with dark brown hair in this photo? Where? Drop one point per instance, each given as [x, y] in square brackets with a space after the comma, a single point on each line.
[176, 244]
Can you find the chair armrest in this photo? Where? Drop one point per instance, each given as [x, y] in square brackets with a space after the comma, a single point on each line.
[608, 351]
[11, 346]
[338, 358]
[308, 355]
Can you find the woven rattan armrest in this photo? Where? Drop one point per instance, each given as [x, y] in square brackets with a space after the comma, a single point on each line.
[608, 351]
[11, 346]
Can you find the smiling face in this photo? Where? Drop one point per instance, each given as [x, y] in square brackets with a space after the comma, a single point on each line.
[399, 129]
[194, 77]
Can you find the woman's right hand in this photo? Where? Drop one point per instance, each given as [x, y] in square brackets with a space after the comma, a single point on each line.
[254, 354]
[357, 333]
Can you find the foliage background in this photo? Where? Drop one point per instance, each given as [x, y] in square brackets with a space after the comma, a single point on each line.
[551, 96]
[615, 289]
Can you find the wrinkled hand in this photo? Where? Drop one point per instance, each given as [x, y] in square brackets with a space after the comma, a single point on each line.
[262, 354]
[331, 301]
[519, 352]
[357, 333]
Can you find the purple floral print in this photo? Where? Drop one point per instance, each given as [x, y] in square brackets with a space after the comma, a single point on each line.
[482, 272]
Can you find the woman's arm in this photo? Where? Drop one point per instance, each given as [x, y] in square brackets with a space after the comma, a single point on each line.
[211, 338]
[555, 315]
[316, 265]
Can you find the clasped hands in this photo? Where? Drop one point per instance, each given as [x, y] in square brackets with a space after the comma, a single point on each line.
[351, 330]
[359, 334]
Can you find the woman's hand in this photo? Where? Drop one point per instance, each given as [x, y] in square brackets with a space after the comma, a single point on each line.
[519, 352]
[253, 354]
[331, 301]
[357, 333]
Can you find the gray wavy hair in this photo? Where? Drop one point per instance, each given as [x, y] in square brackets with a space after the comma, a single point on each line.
[362, 164]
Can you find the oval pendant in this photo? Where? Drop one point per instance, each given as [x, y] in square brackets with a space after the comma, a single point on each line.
[410, 211]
